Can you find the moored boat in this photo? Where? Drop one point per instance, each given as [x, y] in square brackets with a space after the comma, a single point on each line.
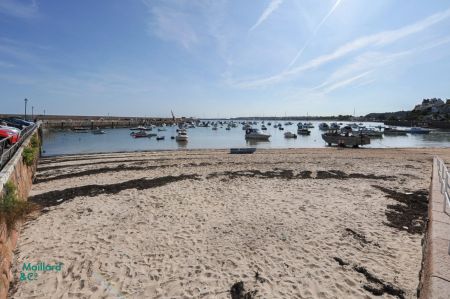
[418, 130]
[324, 127]
[393, 131]
[182, 135]
[255, 134]
[290, 135]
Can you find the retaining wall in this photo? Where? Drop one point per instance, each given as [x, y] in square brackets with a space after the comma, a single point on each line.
[435, 273]
[21, 175]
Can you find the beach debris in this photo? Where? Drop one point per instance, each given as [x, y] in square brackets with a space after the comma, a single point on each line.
[56, 197]
[360, 237]
[238, 291]
[341, 261]
[410, 213]
[377, 286]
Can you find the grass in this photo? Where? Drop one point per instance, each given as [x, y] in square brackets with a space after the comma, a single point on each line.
[12, 209]
[30, 153]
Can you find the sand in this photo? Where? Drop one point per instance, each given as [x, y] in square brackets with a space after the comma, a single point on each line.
[303, 223]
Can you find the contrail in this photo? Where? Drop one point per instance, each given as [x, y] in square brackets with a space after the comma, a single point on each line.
[273, 5]
[299, 53]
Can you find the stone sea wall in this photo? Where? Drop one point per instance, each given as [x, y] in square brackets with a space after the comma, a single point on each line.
[21, 175]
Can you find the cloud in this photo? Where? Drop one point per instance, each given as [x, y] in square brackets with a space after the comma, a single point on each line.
[273, 6]
[19, 9]
[374, 40]
[171, 24]
[316, 30]
[367, 63]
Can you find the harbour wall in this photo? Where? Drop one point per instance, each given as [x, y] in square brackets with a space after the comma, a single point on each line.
[435, 274]
[21, 175]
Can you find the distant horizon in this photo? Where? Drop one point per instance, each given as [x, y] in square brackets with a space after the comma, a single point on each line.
[222, 58]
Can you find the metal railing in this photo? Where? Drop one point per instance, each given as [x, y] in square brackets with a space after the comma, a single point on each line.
[445, 186]
[7, 152]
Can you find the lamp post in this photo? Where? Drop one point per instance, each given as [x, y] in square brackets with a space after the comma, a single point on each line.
[26, 101]
[32, 113]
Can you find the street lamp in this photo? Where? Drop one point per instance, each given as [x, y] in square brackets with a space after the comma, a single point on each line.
[32, 113]
[26, 101]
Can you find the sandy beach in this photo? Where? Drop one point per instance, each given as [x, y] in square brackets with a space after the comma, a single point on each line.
[303, 223]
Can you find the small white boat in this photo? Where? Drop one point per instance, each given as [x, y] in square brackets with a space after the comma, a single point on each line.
[182, 135]
[290, 135]
[255, 134]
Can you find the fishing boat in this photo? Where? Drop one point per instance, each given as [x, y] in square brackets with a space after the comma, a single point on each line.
[280, 128]
[290, 135]
[256, 135]
[308, 125]
[182, 135]
[345, 139]
[263, 127]
[324, 127]
[161, 130]
[160, 138]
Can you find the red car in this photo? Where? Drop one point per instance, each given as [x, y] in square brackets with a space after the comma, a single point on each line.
[5, 133]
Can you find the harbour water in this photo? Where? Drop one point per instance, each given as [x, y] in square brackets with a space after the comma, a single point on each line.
[63, 142]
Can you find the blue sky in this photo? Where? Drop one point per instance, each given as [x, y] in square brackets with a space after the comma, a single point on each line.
[222, 58]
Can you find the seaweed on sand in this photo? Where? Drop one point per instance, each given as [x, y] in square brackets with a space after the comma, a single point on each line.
[53, 198]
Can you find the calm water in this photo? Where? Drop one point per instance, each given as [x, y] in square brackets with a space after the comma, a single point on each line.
[115, 140]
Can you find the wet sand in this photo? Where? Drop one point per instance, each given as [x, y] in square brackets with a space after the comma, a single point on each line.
[303, 223]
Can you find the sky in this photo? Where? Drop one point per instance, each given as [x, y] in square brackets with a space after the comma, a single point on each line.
[222, 58]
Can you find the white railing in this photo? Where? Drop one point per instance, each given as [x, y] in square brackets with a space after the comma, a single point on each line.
[445, 186]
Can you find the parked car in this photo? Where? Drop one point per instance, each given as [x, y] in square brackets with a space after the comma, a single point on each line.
[4, 126]
[5, 133]
[16, 122]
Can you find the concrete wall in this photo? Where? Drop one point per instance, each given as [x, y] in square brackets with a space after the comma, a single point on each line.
[22, 176]
[435, 274]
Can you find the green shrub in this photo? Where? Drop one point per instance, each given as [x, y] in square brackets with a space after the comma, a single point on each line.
[12, 208]
[34, 141]
[30, 153]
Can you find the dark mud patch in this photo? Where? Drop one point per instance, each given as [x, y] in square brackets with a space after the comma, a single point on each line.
[340, 175]
[280, 174]
[410, 213]
[139, 166]
[238, 291]
[289, 174]
[54, 167]
[57, 197]
[377, 286]
[341, 262]
[361, 238]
